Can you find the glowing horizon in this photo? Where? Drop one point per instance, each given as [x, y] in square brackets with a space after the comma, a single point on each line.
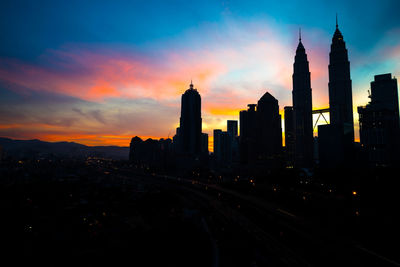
[98, 86]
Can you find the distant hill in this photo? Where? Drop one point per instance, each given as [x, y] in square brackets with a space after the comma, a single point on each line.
[35, 149]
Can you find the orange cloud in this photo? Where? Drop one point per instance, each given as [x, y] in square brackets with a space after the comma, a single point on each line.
[41, 132]
[104, 90]
[224, 111]
[228, 74]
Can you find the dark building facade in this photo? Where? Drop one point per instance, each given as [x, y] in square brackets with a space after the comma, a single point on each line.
[154, 154]
[217, 145]
[340, 89]
[384, 94]
[336, 140]
[248, 134]
[302, 109]
[289, 136]
[261, 133]
[226, 146]
[232, 128]
[222, 148]
[269, 128]
[204, 144]
[189, 134]
[331, 146]
[379, 122]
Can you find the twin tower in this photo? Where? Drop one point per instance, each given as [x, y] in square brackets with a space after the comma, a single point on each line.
[299, 118]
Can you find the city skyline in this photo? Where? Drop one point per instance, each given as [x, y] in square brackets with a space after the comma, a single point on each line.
[94, 89]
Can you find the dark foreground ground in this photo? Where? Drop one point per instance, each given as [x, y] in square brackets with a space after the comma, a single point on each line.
[103, 213]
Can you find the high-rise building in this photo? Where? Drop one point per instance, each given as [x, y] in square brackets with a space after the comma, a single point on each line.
[204, 143]
[336, 140]
[248, 133]
[289, 135]
[269, 128]
[340, 92]
[232, 128]
[261, 132]
[190, 138]
[217, 144]
[379, 122]
[222, 148]
[302, 109]
[384, 93]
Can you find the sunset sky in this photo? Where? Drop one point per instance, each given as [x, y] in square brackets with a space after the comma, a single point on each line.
[100, 73]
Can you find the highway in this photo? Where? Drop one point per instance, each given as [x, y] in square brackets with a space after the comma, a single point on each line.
[274, 236]
[287, 238]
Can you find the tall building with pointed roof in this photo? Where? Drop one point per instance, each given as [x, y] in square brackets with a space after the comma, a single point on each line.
[340, 91]
[190, 137]
[336, 140]
[302, 109]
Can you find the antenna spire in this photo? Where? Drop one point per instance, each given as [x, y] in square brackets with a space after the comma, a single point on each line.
[336, 22]
[300, 34]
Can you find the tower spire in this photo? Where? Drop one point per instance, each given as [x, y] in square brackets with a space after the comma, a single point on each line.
[336, 22]
[191, 84]
[300, 34]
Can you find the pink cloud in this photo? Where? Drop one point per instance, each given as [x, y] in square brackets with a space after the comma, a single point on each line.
[229, 72]
[246, 62]
[110, 75]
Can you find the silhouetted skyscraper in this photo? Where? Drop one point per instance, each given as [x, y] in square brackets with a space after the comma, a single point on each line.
[190, 139]
[204, 143]
[217, 144]
[248, 132]
[384, 93]
[379, 122]
[289, 135]
[336, 140]
[269, 128]
[222, 147]
[261, 133]
[340, 92]
[232, 128]
[302, 109]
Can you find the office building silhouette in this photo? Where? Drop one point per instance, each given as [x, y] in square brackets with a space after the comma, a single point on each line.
[248, 134]
[340, 92]
[189, 134]
[204, 144]
[151, 153]
[217, 145]
[379, 123]
[302, 109]
[226, 147]
[222, 148]
[232, 128]
[261, 133]
[269, 128]
[289, 136]
[336, 140]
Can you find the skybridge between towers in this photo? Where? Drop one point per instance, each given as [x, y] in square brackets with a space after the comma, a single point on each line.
[321, 113]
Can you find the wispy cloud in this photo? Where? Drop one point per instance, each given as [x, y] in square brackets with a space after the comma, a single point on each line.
[121, 91]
